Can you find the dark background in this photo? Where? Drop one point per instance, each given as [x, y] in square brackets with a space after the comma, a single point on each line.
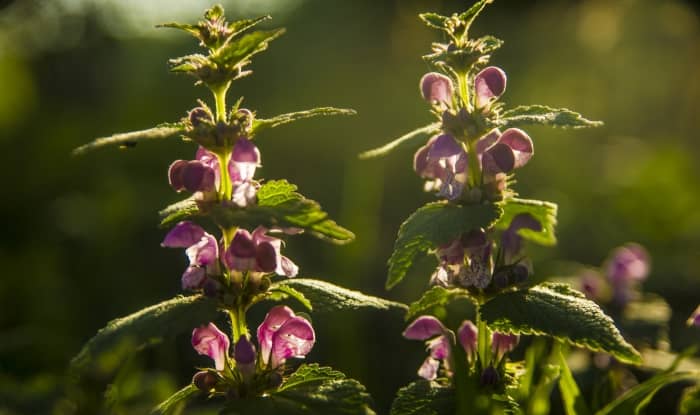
[80, 243]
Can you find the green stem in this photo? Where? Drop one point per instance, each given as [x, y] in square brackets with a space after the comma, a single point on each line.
[463, 89]
[474, 169]
[238, 323]
[484, 340]
[220, 99]
[225, 186]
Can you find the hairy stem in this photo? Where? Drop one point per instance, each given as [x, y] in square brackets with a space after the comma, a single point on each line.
[238, 323]
[220, 99]
[225, 186]
[484, 340]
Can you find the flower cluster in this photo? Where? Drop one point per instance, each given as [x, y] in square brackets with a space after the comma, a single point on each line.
[249, 256]
[282, 335]
[440, 340]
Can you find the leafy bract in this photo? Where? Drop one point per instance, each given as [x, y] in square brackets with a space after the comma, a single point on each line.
[237, 51]
[260, 124]
[544, 115]
[150, 325]
[559, 311]
[175, 401]
[435, 297]
[130, 139]
[326, 297]
[432, 225]
[456, 26]
[424, 398]
[278, 292]
[634, 400]
[278, 205]
[313, 390]
[404, 139]
[544, 212]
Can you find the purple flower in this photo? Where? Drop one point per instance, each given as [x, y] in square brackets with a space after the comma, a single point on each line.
[694, 319]
[503, 343]
[438, 340]
[511, 241]
[436, 88]
[244, 160]
[467, 335]
[627, 266]
[465, 261]
[193, 176]
[201, 248]
[210, 341]
[444, 161]
[283, 335]
[244, 354]
[258, 252]
[501, 153]
[489, 84]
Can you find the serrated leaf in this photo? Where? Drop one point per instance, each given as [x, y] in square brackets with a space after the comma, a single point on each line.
[432, 225]
[574, 404]
[260, 124]
[635, 399]
[327, 297]
[544, 212]
[559, 311]
[175, 401]
[544, 115]
[435, 297]
[150, 325]
[279, 205]
[239, 50]
[471, 14]
[434, 20]
[189, 64]
[313, 390]
[424, 398]
[239, 26]
[130, 139]
[179, 211]
[288, 291]
[404, 139]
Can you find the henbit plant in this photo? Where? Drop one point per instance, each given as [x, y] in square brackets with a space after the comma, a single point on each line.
[477, 231]
[232, 272]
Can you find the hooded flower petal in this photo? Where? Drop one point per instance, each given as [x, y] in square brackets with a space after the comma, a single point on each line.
[436, 88]
[489, 84]
[183, 235]
[274, 319]
[244, 160]
[429, 369]
[499, 158]
[209, 159]
[520, 143]
[294, 338]
[204, 252]
[210, 341]
[244, 355]
[424, 328]
[503, 343]
[193, 278]
[467, 335]
[628, 263]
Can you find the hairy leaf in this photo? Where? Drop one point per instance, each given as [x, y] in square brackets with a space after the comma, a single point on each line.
[150, 325]
[313, 390]
[434, 20]
[130, 139]
[175, 401]
[559, 311]
[638, 397]
[574, 404]
[288, 291]
[326, 297]
[260, 124]
[544, 115]
[404, 139]
[179, 211]
[424, 398]
[238, 50]
[544, 212]
[435, 297]
[432, 225]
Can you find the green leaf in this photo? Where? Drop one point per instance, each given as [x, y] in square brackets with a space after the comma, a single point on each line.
[174, 403]
[237, 51]
[404, 139]
[544, 115]
[239, 26]
[179, 211]
[544, 212]
[435, 297]
[471, 14]
[288, 291]
[327, 297]
[260, 124]
[574, 404]
[150, 325]
[690, 401]
[279, 205]
[638, 397]
[313, 390]
[130, 139]
[424, 398]
[434, 20]
[433, 225]
[559, 311]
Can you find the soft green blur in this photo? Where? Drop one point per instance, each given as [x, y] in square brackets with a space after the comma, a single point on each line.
[80, 242]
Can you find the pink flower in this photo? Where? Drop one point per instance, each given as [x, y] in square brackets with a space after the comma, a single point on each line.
[283, 335]
[489, 84]
[201, 248]
[258, 252]
[210, 341]
[503, 343]
[436, 88]
[438, 340]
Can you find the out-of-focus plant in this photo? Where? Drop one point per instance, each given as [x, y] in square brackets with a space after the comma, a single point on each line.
[241, 263]
[477, 231]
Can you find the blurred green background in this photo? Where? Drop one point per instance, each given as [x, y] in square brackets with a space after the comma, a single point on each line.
[80, 242]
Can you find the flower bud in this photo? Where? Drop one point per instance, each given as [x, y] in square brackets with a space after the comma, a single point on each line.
[467, 335]
[436, 88]
[204, 381]
[244, 355]
[520, 272]
[502, 343]
[489, 377]
[489, 84]
[423, 328]
[200, 115]
[275, 380]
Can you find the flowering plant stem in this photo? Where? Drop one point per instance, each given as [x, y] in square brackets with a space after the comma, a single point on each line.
[238, 324]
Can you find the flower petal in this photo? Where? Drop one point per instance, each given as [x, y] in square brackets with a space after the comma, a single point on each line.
[210, 341]
[428, 370]
[266, 257]
[436, 87]
[424, 328]
[520, 143]
[175, 172]
[467, 335]
[204, 252]
[183, 235]
[489, 84]
[295, 338]
[499, 158]
[193, 278]
[274, 319]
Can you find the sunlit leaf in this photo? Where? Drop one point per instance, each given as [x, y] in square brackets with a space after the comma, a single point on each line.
[405, 139]
[574, 404]
[544, 212]
[175, 402]
[424, 398]
[559, 311]
[260, 124]
[435, 297]
[544, 115]
[132, 138]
